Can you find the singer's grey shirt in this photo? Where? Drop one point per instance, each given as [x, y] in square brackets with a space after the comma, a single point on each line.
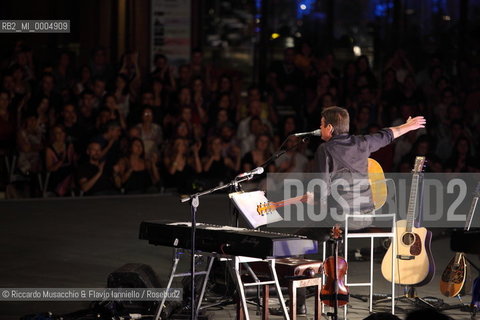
[344, 160]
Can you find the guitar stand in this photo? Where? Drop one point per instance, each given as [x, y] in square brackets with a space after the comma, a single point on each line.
[410, 297]
[461, 306]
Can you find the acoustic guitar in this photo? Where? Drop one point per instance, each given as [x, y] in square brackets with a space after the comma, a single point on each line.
[455, 274]
[376, 180]
[414, 260]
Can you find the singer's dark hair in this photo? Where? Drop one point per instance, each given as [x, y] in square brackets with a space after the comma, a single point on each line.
[338, 118]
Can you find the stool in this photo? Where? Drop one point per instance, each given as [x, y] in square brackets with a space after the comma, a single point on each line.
[236, 264]
[303, 283]
[294, 273]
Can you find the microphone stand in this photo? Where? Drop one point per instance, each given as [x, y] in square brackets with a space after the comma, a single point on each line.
[281, 151]
[194, 200]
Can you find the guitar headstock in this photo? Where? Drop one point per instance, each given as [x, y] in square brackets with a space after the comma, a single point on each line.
[336, 232]
[419, 165]
[265, 207]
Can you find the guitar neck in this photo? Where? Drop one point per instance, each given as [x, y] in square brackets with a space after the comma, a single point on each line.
[412, 203]
[287, 202]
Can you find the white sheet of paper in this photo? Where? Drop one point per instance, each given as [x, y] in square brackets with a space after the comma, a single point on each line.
[246, 203]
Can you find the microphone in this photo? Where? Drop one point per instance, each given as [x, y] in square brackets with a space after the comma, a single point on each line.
[258, 170]
[311, 133]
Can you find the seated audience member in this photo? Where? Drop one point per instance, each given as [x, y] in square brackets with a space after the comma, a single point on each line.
[84, 80]
[187, 115]
[218, 122]
[45, 114]
[7, 123]
[93, 176]
[110, 102]
[230, 145]
[183, 130]
[60, 162]
[87, 116]
[254, 111]
[223, 102]
[390, 89]
[258, 155]
[160, 96]
[289, 126]
[257, 127]
[164, 72]
[133, 132]
[134, 173]
[217, 166]
[121, 95]
[104, 116]
[46, 89]
[362, 120]
[30, 142]
[150, 132]
[461, 159]
[421, 147]
[184, 76]
[109, 141]
[22, 86]
[200, 101]
[99, 92]
[69, 121]
[182, 164]
[292, 160]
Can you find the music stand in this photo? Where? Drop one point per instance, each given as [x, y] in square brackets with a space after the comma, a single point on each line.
[247, 204]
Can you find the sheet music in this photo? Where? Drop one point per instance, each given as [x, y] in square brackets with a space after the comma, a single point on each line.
[246, 203]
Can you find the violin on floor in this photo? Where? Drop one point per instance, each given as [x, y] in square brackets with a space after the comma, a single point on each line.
[334, 293]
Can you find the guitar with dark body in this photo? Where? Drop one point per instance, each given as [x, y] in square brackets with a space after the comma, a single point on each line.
[455, 274]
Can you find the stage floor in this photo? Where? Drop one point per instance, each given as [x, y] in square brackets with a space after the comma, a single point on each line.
[77, 243]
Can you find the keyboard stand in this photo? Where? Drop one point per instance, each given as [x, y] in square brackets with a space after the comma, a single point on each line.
[234, 263]
[177, 254]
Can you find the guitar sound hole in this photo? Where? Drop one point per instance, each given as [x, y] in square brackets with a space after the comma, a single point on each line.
[408, 239]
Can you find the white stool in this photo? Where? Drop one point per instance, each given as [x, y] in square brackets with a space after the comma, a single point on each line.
[372, 236]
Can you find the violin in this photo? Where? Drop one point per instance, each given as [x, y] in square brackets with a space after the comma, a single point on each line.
[334, 293]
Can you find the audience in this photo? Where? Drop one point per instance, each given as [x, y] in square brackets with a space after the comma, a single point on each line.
[115, 130]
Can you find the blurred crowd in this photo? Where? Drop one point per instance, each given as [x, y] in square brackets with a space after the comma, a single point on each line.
[107, 128]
